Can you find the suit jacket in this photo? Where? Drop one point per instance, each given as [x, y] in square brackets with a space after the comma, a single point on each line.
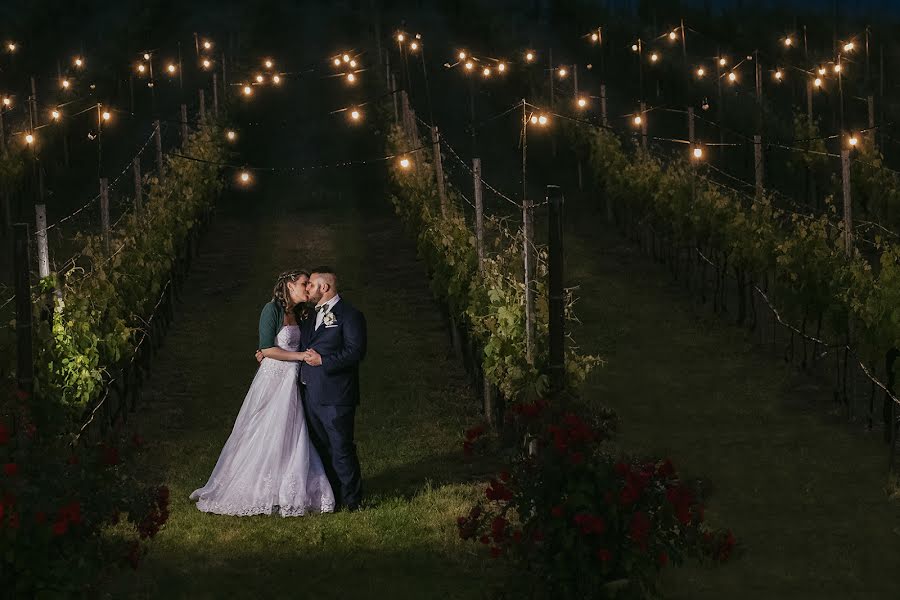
[342, 346]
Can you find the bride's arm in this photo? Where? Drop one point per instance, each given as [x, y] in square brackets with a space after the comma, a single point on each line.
[286, 355]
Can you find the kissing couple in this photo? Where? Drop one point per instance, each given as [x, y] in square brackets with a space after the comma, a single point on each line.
[291, 451]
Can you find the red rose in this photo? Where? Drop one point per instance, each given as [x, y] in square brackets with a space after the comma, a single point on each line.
[557, 511]
[504, 476]
[4, 434]
[662, 559]
[485, 540]
[60, 527]
[666, 469]
[10, 469]
[639, 528]
[475, 512]
[460, 521]
[474, 433]
[603, 555]
[496, 551]
[498, 528]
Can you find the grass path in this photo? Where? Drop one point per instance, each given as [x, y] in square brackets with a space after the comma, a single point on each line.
[414, 407]
[804, 492]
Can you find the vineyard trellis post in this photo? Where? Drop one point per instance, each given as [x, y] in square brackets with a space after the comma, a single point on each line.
[2, 135]
[758, 167]
[22, 279]
[157, 134]
[202, 106]
[138, 191]
[479, 213]
[104, 213]
[870, 105]
[529, 258]
[393, 83]
[556, 291]
[40, 223]
[36, 121]
[603, 114]
[184, 125]
[691, 131]
[215, 91]
[438, 167]
[644, 126]
[848, 216]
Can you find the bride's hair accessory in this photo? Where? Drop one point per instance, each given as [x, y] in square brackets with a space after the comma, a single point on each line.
[280, 291]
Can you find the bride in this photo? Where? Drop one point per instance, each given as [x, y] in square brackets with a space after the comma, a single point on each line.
[268, 465]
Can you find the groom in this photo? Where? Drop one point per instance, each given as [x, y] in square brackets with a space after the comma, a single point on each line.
[335, 338]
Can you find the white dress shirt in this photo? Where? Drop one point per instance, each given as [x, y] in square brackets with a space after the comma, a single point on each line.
[320, 314]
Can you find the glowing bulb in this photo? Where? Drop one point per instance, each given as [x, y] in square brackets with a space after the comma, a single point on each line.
[461, 55]
[698, 153]
[245, 177]
[405, 163]
[400, 37]
[353, 64]
[55, 115]
[171, 68]
[207, 44]
[65, 84]
[486, 72]
[563, 72]
[351, 77]
[337, 62]
[673, 35]
[146, 56]
[723, 62]
[638, 120]
[276, 79]
[231, 135]
[206, 63]
[542, 120]
[853, 140]
[260, 79]
[7, 101]
[529, 56]
[248, 90]
[79, 62]
[11, 46]
[788, 41]
[141, 68]
[346, 58]
[501, 67]
[595, 37]
[29, 139]
[818, 82]
[355, 115]
[582, 102]
[849, 46]
[654, 57]
[701, 72]
[470, 65]
[269, 64]
[821, 70]
[414, 46]
[779, 75]
[106, 115]
[837, 68]
[732, 77]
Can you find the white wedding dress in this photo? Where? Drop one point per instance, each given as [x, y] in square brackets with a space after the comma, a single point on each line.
[268, 464]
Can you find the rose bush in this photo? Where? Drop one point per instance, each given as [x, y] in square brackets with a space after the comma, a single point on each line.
[578, 521]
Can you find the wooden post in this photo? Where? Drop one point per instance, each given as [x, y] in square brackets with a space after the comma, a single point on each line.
[22, 279]
[104, 212]
[550, 54]
[691, 132]
[479, 213]
[159, 153]
[202, 106]
[438, 167]
[224, 80]
[644, 126]
[215, 86]
[575, 79]
[34, 105]
[758, 165]
[870, 102]
[556, 291]
[2, 134]
[809, 102]
[138, 188]
[603, 113]
[40, 224]
[848, 214]
[131, 91]
[529, 258]
[394, 98]
[184, 125]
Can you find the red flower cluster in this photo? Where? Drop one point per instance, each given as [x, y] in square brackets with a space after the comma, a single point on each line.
[635, 482]
[682, 500]
[11, 469]
[588, 523]
[4, 434]
[572, 433]
[471, 435]
[157, 516]
[529, 410]
[67, 515]
[497, 491]
[639, 529]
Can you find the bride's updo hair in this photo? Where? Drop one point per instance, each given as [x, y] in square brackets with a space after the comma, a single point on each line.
[280, 291]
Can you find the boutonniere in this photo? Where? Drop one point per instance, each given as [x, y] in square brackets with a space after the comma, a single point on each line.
[329, 319]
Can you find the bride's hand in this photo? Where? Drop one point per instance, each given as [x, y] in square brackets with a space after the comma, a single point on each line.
[259, 356]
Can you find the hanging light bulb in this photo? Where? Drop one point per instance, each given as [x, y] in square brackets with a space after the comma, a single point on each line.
[529, 56]
[822, 70]
[414, 46]
[207, 44]
[248, 91]
[11, 46]
[501, 67]
[638, 120]
[346, 58]
[853, 140]
[543, 120]
[534, 119]
[563, 72]
[486, 72]
[106, 115]
[79, 62]
[818, 82]
[470, 65]
[55, 115]
[405, 163]
[788, 41]
[654, 57]
[849, 46]
[779, 75]
[401, 38]
[732, 77]
[146, 56]
[723, 61]
[337, 62]
[206, 63]
[701, 71]
[65, 84]
[351, 78]
[276, 79]
[595, 37]
[141, 68]
[171, 69]
[838, 68]
[231, 135]
[260, 79]
[355, 114]
[697, 153]
[353, 64]
[244, 177]
[582, 102]
[461, 55]
[673, 35]
[29, 138]
[269, 64]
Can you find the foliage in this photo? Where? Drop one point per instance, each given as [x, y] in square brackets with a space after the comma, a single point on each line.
[96, 318]
[577, 522]
[490, 302]
[57, 505]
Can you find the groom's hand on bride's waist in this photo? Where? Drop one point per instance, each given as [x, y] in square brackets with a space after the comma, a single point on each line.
[313, 359]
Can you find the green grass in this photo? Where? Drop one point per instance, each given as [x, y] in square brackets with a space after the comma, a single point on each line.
[415, 405]
[805, 493]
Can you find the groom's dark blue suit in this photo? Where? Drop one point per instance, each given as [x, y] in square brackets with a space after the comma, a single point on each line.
[331, 393]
